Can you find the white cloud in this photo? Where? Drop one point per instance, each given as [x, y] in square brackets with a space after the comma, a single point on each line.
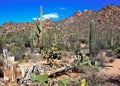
[62, 8]
[48, 16]
[35, 18]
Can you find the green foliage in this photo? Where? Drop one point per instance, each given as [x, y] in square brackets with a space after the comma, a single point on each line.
[1, 60]
[43, 79]
[107, 39]
[21, 38]
[65, 39]
[94, 64]
[4, 39]
[33, 77]
[117, 50]
[51, 53]
[80, 58]
[14, 48]
[62, 82]
[1, 42]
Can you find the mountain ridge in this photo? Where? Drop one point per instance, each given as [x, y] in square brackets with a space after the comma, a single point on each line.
[106, 17]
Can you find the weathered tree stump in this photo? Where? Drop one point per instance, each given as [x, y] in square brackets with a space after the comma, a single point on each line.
[10, 70]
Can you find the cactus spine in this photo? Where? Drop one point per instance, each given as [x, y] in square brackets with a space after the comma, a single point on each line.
[92, 39]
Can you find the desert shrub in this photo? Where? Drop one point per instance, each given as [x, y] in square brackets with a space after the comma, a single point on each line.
[107, 39]
[80, 58]
[41, 78]
[1, 60]
[117, 52]
[73, 82]
[89, 79]
[83, 41]
[82, 63]
[67, 39]
[57, 37]
[63, 82]
[94, 80]
[100, 59]
[1, 45]
[21, 37]
[73, 40]
[25, 55]
[51, 52]
[1, 67]
[3, 40]
[13, 47]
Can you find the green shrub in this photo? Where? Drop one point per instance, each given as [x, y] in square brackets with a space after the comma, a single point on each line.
[41, 78]
[62, 82]
[51, 52]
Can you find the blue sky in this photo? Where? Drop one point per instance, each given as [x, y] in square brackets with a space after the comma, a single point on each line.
[27, 10]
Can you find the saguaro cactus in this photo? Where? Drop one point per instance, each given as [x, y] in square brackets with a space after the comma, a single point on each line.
[41, 29]
[111, 38]
[92, 39]
[37, 34]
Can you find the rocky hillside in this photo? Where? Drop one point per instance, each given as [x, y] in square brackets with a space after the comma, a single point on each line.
[107, 17]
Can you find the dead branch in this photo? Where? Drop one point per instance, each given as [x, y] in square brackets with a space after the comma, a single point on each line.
[60, 70]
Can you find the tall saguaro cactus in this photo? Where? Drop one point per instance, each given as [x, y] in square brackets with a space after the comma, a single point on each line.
[111, 38]
[41, 17]
[37, 34]
[92, 39]
[41, 29]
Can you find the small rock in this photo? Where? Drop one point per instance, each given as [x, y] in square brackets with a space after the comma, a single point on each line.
[109, 53]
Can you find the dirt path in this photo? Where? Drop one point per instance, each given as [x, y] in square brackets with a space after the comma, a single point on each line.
[114, 70]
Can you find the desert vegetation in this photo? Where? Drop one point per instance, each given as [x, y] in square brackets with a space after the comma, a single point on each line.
[59, 57]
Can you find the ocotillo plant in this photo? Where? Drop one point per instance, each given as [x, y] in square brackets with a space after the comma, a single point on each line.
[92, 39]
